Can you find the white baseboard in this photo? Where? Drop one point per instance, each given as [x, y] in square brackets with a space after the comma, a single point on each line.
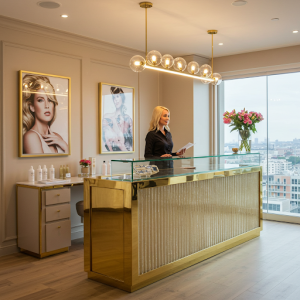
[7, 250]
[281, 218]
[77, 232]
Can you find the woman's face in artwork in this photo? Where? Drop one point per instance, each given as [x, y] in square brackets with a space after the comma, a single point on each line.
[42, 107]
[165, 118]
[117, 100]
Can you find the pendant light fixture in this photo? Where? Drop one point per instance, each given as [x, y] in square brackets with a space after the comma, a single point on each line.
[153, 60]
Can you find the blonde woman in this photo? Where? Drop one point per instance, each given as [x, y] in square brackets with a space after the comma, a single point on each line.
[39, 113]
[159, 139]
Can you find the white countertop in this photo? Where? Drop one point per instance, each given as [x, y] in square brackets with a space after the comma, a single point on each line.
[69, 181]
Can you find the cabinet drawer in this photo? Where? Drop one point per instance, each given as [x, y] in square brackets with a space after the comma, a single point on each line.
[58, 212]
[58, 235]
[57, 196]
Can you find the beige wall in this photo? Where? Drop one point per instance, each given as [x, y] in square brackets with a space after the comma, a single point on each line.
[261, 62]
[176, 93]
[87, 62]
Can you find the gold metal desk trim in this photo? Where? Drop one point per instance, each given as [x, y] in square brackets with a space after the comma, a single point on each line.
[132, 281]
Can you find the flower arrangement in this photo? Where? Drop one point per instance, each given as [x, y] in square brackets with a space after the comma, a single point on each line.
[85, 163]
[242, 120]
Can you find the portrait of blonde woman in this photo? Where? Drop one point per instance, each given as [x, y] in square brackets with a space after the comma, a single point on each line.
[117, 120]
[44, 130]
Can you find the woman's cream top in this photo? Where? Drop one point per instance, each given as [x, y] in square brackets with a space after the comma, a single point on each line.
[46, 148]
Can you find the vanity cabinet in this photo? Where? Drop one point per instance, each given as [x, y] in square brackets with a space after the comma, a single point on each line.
[43, 214]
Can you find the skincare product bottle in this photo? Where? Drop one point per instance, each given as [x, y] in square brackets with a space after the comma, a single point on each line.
[108, 168]
[61, 172]
[104, 168]
[45, 173]
[68, 174]
[64, 172]
[51, 172]
[31, 174]
[39, 173]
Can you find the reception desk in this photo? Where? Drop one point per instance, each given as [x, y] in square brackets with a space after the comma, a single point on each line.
[138, 229]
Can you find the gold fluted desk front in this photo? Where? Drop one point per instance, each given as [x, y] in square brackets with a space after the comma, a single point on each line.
[136, 233]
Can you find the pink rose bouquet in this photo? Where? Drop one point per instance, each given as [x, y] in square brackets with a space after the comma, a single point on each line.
[242, 120]
[85, 163]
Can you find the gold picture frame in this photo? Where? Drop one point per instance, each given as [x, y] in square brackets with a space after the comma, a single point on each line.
[44, 122]
[116, 118]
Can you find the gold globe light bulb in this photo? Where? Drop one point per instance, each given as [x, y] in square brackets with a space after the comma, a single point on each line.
[153, 59]
[193, 70]
[205, 71]
[137, 63]
[179, 65]
[167, 61]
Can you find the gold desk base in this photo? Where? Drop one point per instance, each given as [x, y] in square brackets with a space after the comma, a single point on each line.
[45, 254]
[180, 264]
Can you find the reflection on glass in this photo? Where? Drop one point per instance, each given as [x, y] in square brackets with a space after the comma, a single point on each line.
[284, 144]
[125, 170]
[277, 139]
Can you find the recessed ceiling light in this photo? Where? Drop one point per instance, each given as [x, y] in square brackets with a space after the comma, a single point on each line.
[49, 4]
[275, 19]
[239, 3]
[64, 16]
[221, 44]
[295, 31]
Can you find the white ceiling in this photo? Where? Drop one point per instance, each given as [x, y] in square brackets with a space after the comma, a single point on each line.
[177, 27]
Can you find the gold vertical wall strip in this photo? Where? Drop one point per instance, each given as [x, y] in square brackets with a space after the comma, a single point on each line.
[178, 220]
[2, 203]
[146, 32]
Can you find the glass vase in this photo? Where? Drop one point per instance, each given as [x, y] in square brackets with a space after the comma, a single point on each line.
[245, 141]
[85, 171]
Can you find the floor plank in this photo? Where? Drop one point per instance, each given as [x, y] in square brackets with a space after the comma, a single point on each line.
[266, 268]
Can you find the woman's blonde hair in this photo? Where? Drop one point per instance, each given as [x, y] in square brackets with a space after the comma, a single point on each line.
[156, 115]
[31, 84]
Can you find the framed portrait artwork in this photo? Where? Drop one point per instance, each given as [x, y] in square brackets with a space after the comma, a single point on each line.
[44, 115]
[116, 116]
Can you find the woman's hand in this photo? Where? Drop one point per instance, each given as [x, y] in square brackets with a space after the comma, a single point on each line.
[166, 155]
[55, 139]
[181, 152]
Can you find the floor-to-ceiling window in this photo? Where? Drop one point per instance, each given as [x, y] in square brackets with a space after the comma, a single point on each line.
[277, 139]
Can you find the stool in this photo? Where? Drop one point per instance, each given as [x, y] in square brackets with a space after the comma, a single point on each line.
[79, 209]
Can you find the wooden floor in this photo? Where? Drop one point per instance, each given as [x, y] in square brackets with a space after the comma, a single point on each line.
[267, 267]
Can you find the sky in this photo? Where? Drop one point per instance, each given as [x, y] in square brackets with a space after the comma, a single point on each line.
[280, 94]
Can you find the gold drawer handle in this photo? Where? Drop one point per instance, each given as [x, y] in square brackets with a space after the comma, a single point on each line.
[58, 227]
[58, 211]
[58, 195]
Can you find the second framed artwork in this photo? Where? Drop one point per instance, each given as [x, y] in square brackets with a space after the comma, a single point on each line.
[116, 118]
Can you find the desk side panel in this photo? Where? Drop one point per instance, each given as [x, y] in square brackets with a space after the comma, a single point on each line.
[28, 219]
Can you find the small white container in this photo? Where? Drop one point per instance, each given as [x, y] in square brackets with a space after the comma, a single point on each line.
[108, 168]
[51, 172]
[104, 168]
[39, 173]
[45, 173]
[31, 174]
